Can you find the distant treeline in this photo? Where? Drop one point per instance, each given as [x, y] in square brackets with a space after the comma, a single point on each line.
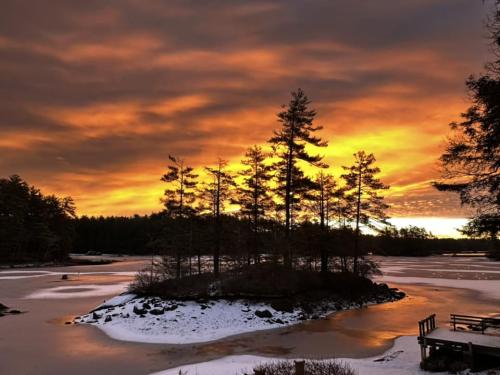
[159, 234]
[33, 226]
[36, 227]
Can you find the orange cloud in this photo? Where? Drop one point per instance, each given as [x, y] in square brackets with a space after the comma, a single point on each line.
[95, 98]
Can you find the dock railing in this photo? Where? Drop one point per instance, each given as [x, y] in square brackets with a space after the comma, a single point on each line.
[474, 323]
[427, 325]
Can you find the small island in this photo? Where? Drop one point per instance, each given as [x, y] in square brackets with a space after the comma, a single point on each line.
[203, 307]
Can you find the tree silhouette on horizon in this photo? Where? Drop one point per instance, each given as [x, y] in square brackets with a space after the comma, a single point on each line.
[362, 192]
[471, 162]
[289, 146]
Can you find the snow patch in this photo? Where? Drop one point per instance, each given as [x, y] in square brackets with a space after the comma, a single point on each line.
[170, 322]
[402, 359]
[153, 320]
[117, 301]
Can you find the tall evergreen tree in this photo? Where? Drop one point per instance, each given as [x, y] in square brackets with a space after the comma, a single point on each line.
[363, 193]
[289, 144]
[254, 194]
[217, 193]
[324, 198]
[180, 194]
[471, 161]
[178, 200]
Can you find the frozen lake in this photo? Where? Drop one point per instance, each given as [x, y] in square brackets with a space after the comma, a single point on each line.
[39, 342]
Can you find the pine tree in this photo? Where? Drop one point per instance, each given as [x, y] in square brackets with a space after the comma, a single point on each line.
[180, 194]
[216, 193]
[322, 199]
[254, 194]
[363, 193]
[471, 162]
[178, 200]
[289, 145]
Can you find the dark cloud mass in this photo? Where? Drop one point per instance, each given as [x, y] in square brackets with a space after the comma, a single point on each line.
[94, 94]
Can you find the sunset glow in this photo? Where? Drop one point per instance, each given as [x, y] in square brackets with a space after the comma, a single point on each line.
[96, 95]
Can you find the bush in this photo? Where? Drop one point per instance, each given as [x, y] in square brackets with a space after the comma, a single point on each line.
[264, 280]
[311, 368]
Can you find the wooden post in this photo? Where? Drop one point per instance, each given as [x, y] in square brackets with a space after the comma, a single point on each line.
[423, 351]
[299, 367]
[470, 355]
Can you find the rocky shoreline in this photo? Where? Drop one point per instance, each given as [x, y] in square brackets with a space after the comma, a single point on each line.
[179, 321]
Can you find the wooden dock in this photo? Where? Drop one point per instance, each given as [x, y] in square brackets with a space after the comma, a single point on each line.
[470, 335]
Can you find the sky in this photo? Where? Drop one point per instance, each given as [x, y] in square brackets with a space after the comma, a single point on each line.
[95, 94]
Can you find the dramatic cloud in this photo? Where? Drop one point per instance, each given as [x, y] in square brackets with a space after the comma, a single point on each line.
[95, 95]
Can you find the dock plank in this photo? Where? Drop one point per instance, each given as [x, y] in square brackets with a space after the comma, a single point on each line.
[465, 337]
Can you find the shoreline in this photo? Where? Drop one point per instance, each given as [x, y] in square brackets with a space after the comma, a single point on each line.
[132, 318]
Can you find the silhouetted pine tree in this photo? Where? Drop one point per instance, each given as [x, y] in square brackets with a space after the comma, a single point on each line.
[362, 192]
[471, 162]
[289, 145]
[254, 195]
[215, 194]
[179, 196]
[322, 198]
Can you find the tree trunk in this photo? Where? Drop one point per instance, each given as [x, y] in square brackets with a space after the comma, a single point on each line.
[217, 226]
[356, 234]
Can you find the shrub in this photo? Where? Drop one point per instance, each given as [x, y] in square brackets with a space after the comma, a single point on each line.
[311, 368]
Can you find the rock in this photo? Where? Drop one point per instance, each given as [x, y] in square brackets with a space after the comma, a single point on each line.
[279, 321]
[263, 313]
[96, 316]
[64, 277]
[14, 312]
[283, 305]
[3, 307]
[138, 310]
[203, 307]
[67, 322]
[108, 319]
[146, 306]
[171, 308]
[157, 311]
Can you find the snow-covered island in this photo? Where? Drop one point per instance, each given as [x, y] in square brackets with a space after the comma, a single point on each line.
[156, 320]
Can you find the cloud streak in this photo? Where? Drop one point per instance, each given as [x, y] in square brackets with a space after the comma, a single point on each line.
[95, 95]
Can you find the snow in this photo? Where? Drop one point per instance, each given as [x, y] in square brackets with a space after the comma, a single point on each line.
[402, 359]
[117, 301]
[78, 291]
[465, 337]
[188, 321]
